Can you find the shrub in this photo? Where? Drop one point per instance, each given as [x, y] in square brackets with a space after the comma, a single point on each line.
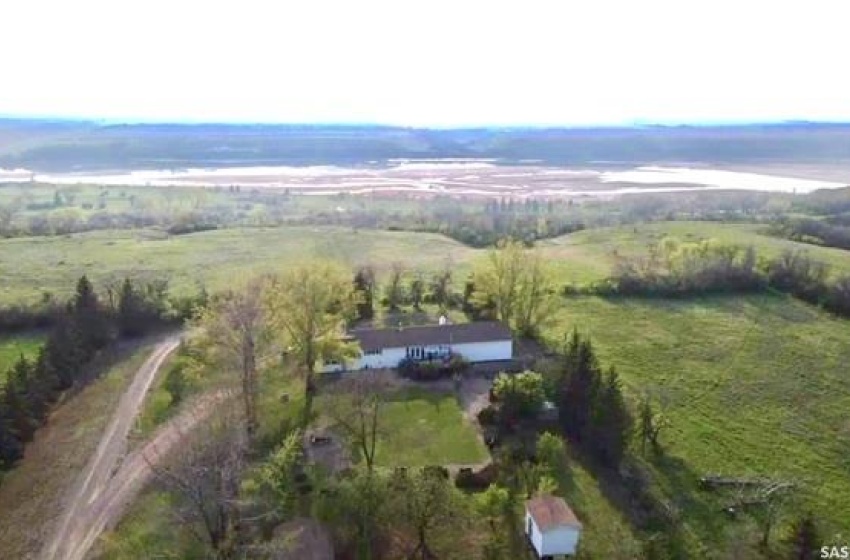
[488, 416]
[477, 481]
[520, 395]
[432, 370]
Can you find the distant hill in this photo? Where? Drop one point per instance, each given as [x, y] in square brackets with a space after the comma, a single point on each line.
[55, 145]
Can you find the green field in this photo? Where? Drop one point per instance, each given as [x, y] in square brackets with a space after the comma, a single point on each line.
[757, 386]
[35, 265]
[12, 347]
[588, 255]
[421, 428]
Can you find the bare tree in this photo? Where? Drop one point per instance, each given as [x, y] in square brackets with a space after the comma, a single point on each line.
[233, 331]
[355, 408]
[206, 476]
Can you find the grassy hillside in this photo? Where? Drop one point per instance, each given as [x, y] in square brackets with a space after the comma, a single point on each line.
[588, 255]
[757, 386]
[34, 265]
[13, 346]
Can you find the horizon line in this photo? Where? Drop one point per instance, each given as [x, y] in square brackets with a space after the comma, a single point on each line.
[632, 124]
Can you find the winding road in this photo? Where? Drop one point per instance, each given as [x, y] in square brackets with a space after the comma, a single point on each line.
[112, 479]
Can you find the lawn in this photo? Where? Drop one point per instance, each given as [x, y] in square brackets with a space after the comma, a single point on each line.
[421, 427]
[35, 265]
[757, 386]
[13, 346]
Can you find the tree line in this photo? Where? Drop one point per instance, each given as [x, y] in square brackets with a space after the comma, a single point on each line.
[672, 268]
[82, 328]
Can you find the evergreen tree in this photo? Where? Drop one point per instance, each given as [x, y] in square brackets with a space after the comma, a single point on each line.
[130, 318]
[580, 387]
[611, 422]
[91, 325]
[22, 419]
[11, 447]
[63, 359]
[364, 283]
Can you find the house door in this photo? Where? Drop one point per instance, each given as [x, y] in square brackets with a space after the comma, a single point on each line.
[528, 529]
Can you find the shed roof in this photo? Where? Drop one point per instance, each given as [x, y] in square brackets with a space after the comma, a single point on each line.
[550, 512]
[479, 331]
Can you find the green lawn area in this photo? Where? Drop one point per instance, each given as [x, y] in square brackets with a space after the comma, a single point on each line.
[34, 265]
[757, 385]
[12, 346]
[421, 427]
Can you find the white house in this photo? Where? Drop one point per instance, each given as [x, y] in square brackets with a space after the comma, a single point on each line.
[551, 526]
[481, 341]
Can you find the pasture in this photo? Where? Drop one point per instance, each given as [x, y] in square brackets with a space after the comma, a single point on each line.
[754, 386]
[36, 265]
[588, 255]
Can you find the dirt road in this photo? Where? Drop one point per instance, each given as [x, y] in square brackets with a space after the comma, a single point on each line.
[94, 479]
[107, 509]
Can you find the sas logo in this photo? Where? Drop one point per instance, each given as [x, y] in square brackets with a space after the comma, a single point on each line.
[838, 552]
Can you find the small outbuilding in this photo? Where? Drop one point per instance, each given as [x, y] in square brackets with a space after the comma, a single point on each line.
[551, 527]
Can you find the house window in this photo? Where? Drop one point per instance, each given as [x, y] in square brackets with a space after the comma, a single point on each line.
[373, 352]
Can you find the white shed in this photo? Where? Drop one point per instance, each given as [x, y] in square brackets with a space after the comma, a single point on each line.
[481, 341]
[551, 526]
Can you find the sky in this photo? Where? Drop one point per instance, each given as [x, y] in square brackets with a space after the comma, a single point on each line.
[432, 63]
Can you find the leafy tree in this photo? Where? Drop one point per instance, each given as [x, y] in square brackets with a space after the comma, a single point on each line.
[431, 507]
[440, 288]
[309, 306]
[395, 295]
[494, 505]
[175, 383]
[519, 284]
[279, 474]
[417, 290]
[360, 508]
[519, 395]
[552, 453]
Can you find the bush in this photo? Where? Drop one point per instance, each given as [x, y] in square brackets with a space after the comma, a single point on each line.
[477, 481]
[432, 370]
[520, 395]
[488, 416]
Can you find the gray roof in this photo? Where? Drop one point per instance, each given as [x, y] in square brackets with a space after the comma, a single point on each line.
[479, 331]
